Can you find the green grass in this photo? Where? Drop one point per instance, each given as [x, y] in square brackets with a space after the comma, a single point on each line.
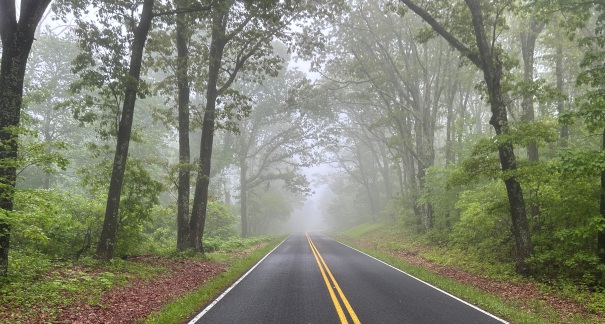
[379, 240]
[363, 229]
[188, 305]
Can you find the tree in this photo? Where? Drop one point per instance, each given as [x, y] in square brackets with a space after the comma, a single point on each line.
[276, 140]
[17, 35]
[47, 82]
[120, 75]
[184, 74]
[529, 36]
[268, 205]
[183, 191]
[394, 79]
[107, 240]
[479, 45]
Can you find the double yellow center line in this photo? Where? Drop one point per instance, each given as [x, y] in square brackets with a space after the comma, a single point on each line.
[332, 284]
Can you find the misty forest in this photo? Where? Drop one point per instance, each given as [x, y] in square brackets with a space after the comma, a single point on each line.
[467, 133]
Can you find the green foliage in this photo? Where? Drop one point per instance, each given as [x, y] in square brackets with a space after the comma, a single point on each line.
[442, 199]
[159, 232]
[565, 230]
[57, 224]
[484, 226]
[213, 244]
[220, 222]
[266, 207]
[139, 196]
[140, 193]
[596, 302]
[582, 163]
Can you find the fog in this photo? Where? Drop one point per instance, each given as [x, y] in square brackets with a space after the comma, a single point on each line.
[310, 217]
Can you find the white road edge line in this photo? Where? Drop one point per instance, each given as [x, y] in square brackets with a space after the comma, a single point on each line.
[203, 312]
[428, 284]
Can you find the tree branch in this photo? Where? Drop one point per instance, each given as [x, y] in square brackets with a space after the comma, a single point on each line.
[182, 10]
[451, 39]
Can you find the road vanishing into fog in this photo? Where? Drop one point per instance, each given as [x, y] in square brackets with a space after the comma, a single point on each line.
[310, 278]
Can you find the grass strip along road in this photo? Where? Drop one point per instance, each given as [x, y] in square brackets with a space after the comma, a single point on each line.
[289, 286]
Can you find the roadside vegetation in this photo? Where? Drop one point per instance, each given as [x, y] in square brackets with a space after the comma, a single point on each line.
[477, 278]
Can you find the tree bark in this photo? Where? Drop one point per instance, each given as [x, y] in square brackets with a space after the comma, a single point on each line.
[200, 199]
[492, 73]
[182, 77]
[17, 39]
[107, 241]
[564, 134]
[450, 157]
[243, 200]
[601, 234]
[528, 45]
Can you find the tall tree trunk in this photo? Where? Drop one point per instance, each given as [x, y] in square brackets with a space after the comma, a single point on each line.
[564, 134]
[47, 141]
[601, 234]
[183, 191]
[528, 45]
[386, 172]
[107, 241]
[200, 198]
[17, 39]
[492, 73]
[243, 194]
[450, 122]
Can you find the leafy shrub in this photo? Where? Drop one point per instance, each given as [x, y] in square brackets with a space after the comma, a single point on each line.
[58, 224]
[484, 225]
[220, 222]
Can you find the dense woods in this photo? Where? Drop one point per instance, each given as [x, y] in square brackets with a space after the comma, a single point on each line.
[129, 127]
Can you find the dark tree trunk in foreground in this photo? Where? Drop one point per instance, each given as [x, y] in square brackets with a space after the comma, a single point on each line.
[17, 39]
[486, 58]
[200, 199]
[492, 74]
[182, 77]
[107, 241]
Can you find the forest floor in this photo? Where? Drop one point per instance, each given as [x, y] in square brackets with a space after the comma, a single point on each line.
[133, 300]
[138, 299]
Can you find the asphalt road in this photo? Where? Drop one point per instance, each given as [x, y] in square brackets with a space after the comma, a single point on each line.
[310, 278]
